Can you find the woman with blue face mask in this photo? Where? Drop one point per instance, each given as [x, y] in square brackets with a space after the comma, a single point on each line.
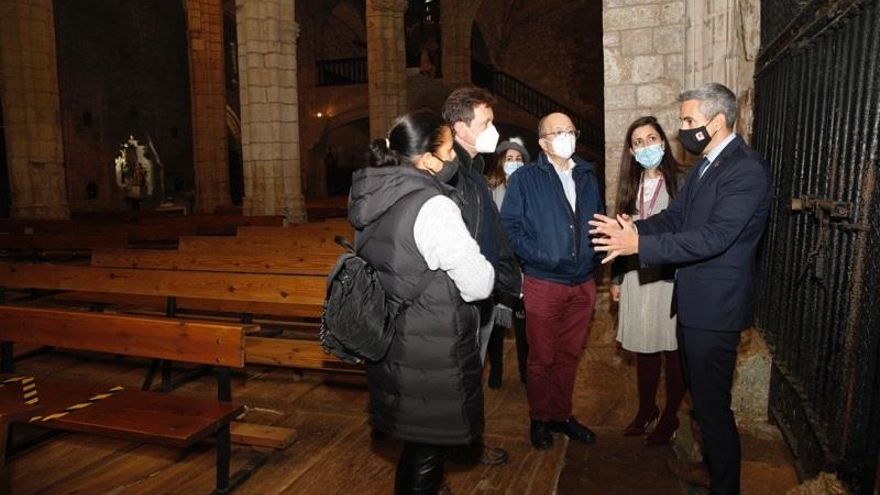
[648, 181]
[510, 156]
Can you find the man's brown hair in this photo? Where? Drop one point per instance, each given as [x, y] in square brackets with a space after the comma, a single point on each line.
[459, 107]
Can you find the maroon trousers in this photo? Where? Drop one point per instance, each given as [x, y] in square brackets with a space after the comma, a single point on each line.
[557, 324]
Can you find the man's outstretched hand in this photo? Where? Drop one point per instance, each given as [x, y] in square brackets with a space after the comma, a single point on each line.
[616, 237]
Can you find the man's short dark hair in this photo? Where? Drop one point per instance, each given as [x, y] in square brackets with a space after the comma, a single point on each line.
[459, 107]
[714, 99]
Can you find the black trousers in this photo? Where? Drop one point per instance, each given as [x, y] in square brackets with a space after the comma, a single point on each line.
[495, 351]
[420, 469]
[709, 363]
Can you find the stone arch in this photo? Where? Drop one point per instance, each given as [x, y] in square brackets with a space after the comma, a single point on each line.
[322, 176]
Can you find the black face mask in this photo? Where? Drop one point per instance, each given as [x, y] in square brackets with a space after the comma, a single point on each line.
[694, 140]
[450, 168]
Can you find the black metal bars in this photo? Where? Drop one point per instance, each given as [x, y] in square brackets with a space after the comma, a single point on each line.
[817, 123]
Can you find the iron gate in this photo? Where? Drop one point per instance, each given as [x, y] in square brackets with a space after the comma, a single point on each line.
[817, 123]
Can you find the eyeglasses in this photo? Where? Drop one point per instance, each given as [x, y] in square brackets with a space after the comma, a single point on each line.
[552, 135]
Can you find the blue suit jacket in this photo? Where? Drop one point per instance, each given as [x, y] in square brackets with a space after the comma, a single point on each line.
[711, 231]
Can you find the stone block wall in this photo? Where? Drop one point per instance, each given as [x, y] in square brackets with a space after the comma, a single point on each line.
[31, 109]
[644, 45]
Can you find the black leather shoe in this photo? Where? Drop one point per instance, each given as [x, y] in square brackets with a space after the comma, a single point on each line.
[539, 433]
[573, 430]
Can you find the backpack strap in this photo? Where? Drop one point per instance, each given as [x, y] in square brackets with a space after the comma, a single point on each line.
[343, 241]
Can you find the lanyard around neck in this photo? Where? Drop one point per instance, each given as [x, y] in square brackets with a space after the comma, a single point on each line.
[643, 214]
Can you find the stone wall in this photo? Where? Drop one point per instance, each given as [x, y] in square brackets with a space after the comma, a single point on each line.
[723, 39]
[644, 70]
[29, 87]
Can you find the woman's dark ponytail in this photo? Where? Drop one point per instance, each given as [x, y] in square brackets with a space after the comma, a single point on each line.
[411, 134]
[381, 156]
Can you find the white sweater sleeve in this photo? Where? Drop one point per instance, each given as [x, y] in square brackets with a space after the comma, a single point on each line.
[444, 241]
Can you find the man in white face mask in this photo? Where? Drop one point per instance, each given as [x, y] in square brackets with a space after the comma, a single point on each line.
[468, 111]
[545, 213]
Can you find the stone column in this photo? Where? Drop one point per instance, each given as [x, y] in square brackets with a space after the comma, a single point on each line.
[269, 109]
[32, 109]
[386, 63]
[204, 19]
[456, 23]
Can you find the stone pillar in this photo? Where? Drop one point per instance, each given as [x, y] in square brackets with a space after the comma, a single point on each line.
[644, 72]
[31, 109]
[386, 63]
[723, 39]
[204, 19]
[269, 109]
[456, 23]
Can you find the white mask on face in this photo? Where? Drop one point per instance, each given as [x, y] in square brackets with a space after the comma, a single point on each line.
[487, 140]
[563, 145]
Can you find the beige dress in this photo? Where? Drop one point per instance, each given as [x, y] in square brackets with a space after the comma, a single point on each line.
[645, 321]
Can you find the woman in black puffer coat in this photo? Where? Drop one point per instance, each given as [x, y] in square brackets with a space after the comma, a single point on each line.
[427, 390]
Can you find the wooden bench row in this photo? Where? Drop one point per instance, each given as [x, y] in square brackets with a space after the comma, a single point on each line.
[108, 410]
[239, 294]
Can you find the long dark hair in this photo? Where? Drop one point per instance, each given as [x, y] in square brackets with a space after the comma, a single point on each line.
[631, 171]
[495, 175]
[415, 133]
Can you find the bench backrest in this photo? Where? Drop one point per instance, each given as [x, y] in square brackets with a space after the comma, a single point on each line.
[63, 241]
[220, 344]
[234, 287]
[251, 245]
[316, 229]
[319, 263]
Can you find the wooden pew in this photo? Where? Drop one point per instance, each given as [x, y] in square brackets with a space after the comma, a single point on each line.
[30, 225]
[62, 242]
[121, 413]
[300, 230]
[298, 263]
[266, 245]
[296, 296]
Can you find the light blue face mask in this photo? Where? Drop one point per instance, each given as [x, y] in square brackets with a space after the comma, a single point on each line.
[650, 156]
[511, 167]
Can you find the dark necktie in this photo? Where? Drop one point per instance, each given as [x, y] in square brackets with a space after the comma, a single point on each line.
[704, 166]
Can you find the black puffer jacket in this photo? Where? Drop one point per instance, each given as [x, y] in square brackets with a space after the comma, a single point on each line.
[427, 389]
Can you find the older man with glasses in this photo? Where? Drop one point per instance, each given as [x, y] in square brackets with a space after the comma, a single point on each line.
[545, 213]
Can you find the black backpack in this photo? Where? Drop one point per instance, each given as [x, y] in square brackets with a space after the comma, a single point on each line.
[357, 323]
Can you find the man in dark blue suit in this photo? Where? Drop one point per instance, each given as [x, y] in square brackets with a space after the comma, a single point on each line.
[710, 233]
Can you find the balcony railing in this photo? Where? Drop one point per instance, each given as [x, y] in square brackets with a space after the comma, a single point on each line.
[342, 72]
[533, 101]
